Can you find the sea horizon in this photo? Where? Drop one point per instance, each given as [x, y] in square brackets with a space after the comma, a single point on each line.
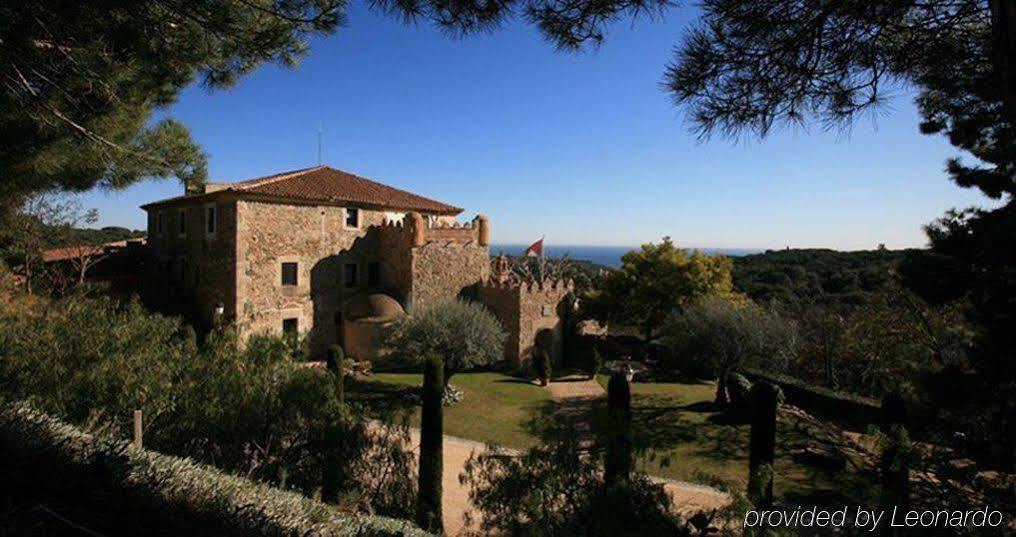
[607, 255]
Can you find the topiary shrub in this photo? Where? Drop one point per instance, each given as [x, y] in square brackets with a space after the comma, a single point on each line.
[595, 362]
[764, 399]
[618, 463]
[543, 366]
[738, 388]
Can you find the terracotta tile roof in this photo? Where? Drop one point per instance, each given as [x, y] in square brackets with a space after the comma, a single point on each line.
[74, 252]
[70, 252]
[325, 184]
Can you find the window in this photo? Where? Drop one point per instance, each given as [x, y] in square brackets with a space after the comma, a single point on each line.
[352, 217]
[350, 275]
[181, 217]
[158, 223]
[289, 271]
[373, 274]
[210, 218]
[290, 326]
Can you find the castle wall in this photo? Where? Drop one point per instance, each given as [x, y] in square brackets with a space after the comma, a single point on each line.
[435, 262]
[524, 310]
[503, 302]
[540, 308]
[445, 270]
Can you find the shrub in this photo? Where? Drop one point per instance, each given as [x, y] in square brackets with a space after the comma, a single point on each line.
[558, 489]
[464, 333]
[715, 336]
[79, 358]
[251, 410]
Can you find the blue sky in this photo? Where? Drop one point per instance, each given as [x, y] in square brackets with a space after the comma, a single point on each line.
[584, 148]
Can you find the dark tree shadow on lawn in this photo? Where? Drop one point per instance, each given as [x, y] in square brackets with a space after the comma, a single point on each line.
[379, 398]
[661, 427]
[514, 380]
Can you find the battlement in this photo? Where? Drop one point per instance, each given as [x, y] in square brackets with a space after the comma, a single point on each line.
[529, 286]
[419, 231]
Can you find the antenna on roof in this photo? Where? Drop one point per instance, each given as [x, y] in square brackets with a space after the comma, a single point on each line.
[319, 130]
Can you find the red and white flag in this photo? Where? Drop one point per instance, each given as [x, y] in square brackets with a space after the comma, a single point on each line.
[535, 249]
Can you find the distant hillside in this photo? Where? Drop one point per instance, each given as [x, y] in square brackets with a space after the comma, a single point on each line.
[92, 236]
[816, 275]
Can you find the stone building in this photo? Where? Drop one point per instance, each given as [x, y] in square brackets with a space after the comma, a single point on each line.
[333, 256]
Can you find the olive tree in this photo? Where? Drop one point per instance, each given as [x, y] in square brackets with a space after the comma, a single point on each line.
[714, 336]
[464, 334]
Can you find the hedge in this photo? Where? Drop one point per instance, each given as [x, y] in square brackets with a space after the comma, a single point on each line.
[109, 487]
[847, 408]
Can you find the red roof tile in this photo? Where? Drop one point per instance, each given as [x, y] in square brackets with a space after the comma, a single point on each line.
[325, 184]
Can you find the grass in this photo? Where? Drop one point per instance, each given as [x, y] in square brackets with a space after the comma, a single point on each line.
[496, 409]
[679, 433]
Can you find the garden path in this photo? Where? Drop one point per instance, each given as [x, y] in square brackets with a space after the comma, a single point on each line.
[574, 386]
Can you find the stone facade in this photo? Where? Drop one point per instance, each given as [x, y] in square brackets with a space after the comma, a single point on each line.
[272, 265]
[189, 264]
[315, 238]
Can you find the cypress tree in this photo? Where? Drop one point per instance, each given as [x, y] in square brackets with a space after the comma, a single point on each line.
[764, 400]
[330, 465]
[618, 462]
[428, 504]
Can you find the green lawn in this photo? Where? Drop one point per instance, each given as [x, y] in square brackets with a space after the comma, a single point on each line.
[496, 409]
[679, 434]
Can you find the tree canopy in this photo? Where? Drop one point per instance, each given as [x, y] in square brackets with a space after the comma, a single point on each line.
[82, 80]
[840, 280]
[653, 282]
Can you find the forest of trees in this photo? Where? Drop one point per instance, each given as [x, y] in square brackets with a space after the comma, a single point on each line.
[821, 276]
